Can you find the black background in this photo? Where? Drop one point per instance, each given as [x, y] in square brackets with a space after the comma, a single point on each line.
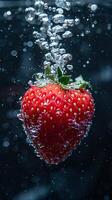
[87, 174]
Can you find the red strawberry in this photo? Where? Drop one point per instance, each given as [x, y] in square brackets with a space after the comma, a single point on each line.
[56, 118]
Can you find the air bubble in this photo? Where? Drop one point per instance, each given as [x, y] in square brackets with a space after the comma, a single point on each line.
[63, 4]
[46, 63]
[53, 68]
[30, 83]
[50, 8]
[29, 14]
[54, 44]
[20, 116]
[68, 6]
[6, 143]
[109, 27]
[70, 67]
[67, 56]
[69, 22]
[39, 75]
[8, 15]
[58, 18]
[58, 29]
[93, 7]
[14, 53]
[67, 34]
[36, 34]
[55, 51]
[45, 6]
[77, 21]
[45, 21]
[39, 6]
[60, 10]
[44, 45]
[62, 51]
[48, 57]
[54, 9]
[42, 16]
[29, 43]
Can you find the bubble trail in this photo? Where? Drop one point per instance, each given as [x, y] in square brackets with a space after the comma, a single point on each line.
[54, 27]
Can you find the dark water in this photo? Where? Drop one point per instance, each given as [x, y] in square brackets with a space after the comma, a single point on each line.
[87, 174]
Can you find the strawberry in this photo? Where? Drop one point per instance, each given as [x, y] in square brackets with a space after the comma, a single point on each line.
[56, 116]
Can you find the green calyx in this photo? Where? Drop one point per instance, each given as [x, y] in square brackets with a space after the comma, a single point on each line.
[59, 77]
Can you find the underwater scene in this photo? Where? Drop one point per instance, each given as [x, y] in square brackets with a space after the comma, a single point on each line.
[56, 100]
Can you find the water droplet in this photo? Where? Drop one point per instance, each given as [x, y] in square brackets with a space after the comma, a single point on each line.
[58, 112]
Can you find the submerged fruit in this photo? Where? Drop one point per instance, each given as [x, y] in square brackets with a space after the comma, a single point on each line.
[56, 119]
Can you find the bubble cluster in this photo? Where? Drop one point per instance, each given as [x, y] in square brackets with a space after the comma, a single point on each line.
[53, 29]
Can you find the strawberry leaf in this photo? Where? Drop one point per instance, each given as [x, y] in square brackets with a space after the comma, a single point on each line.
[51, 77]
[47, 70]
[65, 79]
[81, 83]
[59, 72]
